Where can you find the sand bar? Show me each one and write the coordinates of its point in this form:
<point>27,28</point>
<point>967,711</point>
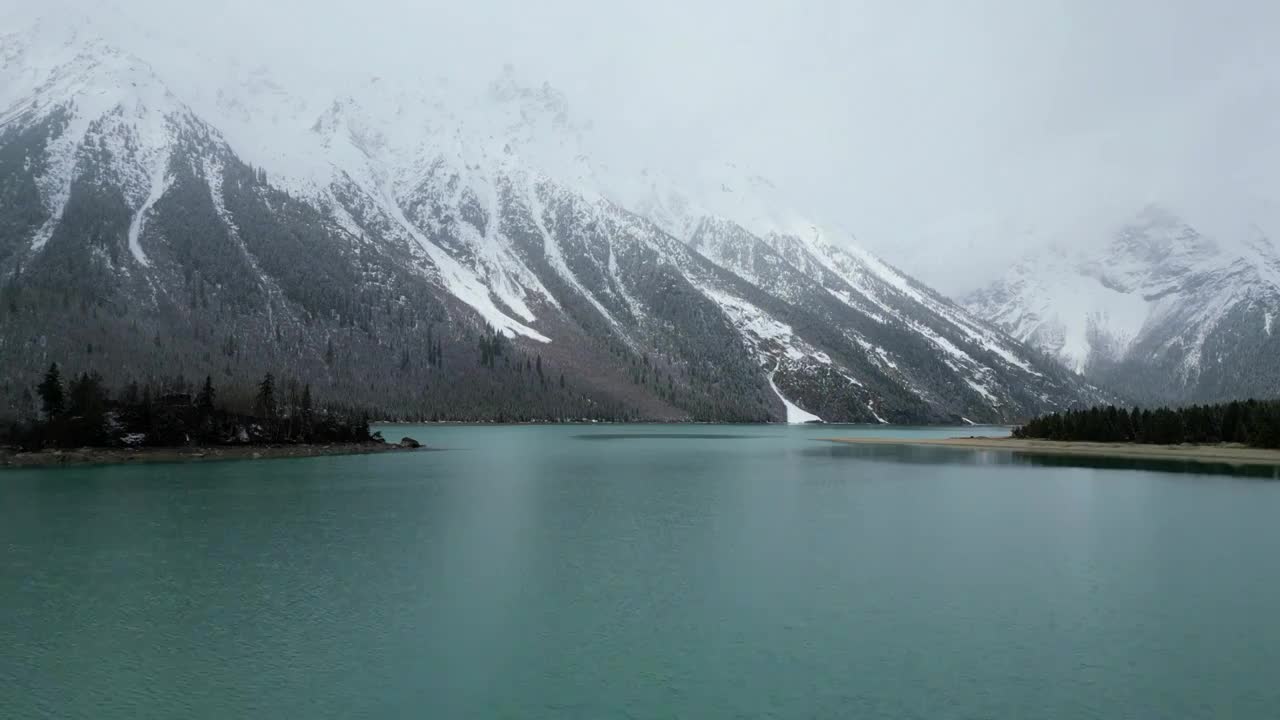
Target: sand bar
<point>1226,453</point>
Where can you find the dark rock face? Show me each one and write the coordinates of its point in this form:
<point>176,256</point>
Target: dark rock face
<point>409,443</point>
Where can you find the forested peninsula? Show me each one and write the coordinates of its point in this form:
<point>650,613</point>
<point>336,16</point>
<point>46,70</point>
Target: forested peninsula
<point>1255,423</point>
<point>80,420</point>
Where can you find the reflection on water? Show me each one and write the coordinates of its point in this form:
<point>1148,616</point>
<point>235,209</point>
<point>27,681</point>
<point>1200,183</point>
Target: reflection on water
<point>530,575</point>
<point>666,436</point>
<point>927,455</point>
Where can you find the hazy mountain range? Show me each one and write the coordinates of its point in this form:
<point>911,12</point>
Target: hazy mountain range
<point>428,252</point>
<point>1160,313</point>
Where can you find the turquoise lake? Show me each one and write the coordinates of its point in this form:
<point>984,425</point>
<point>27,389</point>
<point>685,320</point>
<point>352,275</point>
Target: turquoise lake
<point>630,571</point>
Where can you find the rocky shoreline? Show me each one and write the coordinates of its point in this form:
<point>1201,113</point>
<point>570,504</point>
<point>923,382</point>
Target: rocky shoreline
<point>119,456</point>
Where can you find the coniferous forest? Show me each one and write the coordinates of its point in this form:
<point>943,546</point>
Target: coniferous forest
<point>1249,422</point>
<point>82,412</point>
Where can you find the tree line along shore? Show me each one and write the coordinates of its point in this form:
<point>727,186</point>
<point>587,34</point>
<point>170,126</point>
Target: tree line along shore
<point>80,420</point>
<point>83,413</point>
<point>1237,433</point>
<point>1253,423</point>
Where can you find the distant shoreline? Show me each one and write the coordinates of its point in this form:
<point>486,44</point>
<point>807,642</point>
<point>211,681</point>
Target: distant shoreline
<point>133,456</point>
<point>1226,453</point>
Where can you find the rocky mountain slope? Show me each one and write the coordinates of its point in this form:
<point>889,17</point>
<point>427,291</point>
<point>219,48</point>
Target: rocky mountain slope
<point>1162,313</point>
<point>434,254</point>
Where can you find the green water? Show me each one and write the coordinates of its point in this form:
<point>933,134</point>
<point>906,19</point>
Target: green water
<point>640,572</point>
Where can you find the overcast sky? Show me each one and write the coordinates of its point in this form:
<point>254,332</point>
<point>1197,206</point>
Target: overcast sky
<point>945,133</point>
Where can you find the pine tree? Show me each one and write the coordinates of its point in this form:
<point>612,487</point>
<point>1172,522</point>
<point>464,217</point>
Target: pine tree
<point>87,407</point>
<point>204,400</point>
<point>50,391</point>
<point>26,405</point>
<point>266,400</point>
<point>85,393</point>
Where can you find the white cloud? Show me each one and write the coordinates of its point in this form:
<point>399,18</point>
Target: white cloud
<point>946,133</point>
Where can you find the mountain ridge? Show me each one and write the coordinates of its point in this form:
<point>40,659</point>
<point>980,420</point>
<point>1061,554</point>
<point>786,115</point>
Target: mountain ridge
<point>1163,310</point>
<point>379,231</point>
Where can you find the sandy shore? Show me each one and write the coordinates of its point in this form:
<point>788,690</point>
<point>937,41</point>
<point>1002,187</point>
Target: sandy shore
<point>1229,454</point>
<point>112,456</point>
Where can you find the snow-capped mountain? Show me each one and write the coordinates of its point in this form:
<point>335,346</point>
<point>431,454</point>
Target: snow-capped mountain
<point>366,242</point>
<point>1162,312</point>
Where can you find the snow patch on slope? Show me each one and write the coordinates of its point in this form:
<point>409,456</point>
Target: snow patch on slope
<point>160,182</point>
<point>757,325</point>
<point>982,390</point>
<point>461,282</point>
<point>637,311</point>
<point>555,256</point>
<point>882,272</point>
<point>796,415</point>
<point>871,408</point>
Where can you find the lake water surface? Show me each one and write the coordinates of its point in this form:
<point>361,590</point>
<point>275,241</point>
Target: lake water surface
<point>641,572</point>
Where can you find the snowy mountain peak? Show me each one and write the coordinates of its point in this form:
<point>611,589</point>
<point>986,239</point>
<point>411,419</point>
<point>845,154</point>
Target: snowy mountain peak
<point>384,212</point>
<point>100,106</point>
<point>88,70</point>
<point>536,105</point>
<point>1159,294</point>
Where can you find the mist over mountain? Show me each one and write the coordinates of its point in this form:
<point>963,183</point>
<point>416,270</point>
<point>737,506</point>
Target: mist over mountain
<point>949,138</point>
<point>437,252</point>
<point>1161,312</point>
